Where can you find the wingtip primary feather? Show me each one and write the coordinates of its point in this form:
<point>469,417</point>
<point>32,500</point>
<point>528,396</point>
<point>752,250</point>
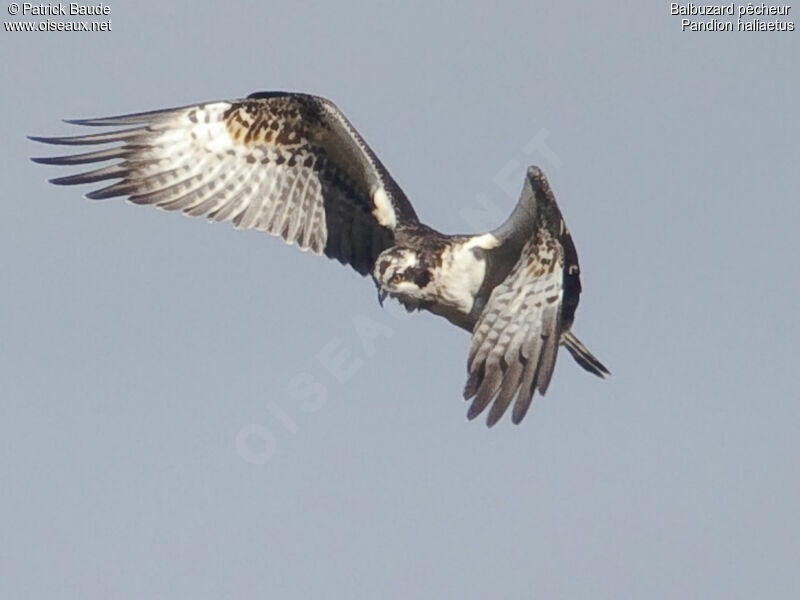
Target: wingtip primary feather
<point>516,419</point>
<point>133,119</point>
<point>40,139</point>
<point>122,135</point>
<point>496,413</point>
<point>104,121</point>
<point>110,172</point>
<point>86,158</point>
<point>78,121</point>
<point>138,118</point>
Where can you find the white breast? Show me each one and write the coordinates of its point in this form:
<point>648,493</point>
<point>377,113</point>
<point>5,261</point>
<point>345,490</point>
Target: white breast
<point>461,274</point>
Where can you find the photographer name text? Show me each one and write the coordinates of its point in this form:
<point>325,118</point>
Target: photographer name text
<point>73,9</point>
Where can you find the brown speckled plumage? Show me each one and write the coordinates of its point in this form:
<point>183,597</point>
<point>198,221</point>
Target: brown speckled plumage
<point>293,165</point>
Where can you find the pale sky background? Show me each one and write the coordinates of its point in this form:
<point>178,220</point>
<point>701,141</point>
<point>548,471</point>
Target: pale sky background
<point>154,444</point>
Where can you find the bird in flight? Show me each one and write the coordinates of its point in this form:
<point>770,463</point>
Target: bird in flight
<point>293,165</point>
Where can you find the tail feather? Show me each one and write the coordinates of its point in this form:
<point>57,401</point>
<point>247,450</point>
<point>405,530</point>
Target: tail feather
<point>582,355</point>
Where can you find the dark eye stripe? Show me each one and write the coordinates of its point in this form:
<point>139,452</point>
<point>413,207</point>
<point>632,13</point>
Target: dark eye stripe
<point>422,278</point>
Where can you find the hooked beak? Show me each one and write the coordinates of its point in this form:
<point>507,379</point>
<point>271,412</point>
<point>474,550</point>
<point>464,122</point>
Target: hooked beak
<point>381,292</point>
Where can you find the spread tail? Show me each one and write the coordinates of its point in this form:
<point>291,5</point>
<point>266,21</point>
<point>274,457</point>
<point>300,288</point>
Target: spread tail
<point>582,355</point>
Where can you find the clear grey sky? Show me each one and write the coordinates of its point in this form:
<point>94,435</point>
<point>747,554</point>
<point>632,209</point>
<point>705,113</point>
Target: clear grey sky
<point>155,443</point>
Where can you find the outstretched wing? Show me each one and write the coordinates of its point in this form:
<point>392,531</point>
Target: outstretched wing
<point>515,341</point>
<point>516,338</point>
<point>288,164</point>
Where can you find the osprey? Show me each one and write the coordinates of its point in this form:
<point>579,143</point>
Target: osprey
<point>293,165</point>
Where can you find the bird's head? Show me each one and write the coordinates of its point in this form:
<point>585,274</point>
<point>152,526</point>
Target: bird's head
<point>399,272</point>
